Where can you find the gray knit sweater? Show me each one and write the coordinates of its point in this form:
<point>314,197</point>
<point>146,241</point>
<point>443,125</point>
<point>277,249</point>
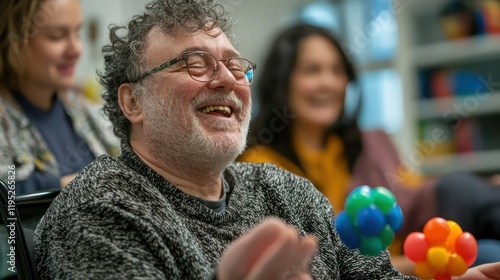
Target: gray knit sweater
<point>121,220</point>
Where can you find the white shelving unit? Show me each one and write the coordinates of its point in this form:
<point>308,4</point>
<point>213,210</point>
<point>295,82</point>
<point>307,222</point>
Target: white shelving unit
<point>482,161</point>
<point>483,104</point>
<point>416,56</point>
<point>463,50</point>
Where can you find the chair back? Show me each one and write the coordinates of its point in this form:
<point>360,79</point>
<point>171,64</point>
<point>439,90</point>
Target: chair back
<point>20,216</point>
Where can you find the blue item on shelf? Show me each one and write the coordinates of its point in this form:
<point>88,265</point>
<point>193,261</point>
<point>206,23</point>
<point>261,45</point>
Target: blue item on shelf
<point>481,28</point>
<point>425,84</point>
<point>466,83</point>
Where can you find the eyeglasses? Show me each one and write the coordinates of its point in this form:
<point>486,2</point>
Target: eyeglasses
<point>203,67</point>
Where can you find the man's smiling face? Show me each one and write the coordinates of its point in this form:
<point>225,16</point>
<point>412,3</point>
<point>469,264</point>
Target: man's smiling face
<point>190,121</point>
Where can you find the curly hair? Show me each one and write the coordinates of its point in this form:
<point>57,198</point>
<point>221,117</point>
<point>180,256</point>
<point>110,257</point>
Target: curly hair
<point>123,57</point>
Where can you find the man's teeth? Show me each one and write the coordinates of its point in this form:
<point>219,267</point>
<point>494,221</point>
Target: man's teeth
<point>222,109</point>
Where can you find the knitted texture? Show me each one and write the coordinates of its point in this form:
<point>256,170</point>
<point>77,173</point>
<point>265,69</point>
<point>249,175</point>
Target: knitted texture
<point>119,219</point>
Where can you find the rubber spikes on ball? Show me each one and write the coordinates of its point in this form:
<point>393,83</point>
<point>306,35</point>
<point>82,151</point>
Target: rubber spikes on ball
<point>441,251</point>
<point>370,220</point>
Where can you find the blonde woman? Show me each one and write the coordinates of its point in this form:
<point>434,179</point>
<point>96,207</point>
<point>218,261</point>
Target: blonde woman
<point>46,130</point>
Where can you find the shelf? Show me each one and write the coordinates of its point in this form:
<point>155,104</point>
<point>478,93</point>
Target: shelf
<point>424,48</point>
<point>481,161</point>
<point>473,105</point>
<point>464,50</point>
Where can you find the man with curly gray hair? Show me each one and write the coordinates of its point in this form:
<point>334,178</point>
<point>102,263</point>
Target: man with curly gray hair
<point>174,205</point>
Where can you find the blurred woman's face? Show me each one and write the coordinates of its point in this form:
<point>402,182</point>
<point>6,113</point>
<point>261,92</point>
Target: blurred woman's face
<point>54,47</point>
<point>318,83</point>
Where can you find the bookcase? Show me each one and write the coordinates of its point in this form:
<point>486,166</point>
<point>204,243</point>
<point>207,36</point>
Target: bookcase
<point>452,89</point>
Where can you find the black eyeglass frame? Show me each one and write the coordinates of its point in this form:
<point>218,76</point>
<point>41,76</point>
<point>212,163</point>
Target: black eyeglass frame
<point>185,57</point>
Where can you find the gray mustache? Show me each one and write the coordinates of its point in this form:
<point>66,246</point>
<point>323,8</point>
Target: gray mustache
<point>219,97</point>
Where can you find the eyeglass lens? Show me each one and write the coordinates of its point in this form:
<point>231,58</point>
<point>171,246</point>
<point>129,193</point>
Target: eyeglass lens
<point>204,67</point>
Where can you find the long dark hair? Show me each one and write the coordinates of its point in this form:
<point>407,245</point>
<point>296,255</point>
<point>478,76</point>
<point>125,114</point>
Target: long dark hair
<point>273,90</point>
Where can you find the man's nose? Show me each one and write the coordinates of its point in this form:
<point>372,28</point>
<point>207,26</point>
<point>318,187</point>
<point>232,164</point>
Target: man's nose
<point>224,79</point>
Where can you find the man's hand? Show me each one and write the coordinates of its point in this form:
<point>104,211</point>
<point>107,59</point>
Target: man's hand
<point>271,251</point>
<point>489,271</point>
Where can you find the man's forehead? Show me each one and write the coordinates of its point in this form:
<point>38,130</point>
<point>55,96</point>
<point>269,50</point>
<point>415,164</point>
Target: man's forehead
<point>163,45</point>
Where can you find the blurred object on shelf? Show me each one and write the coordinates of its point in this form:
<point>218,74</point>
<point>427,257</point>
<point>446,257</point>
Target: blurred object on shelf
<point>446,83</point>
<point>446,136</point>
<point>440,84</point>
<point>442,145</point>
<point>424,77</point>
<point>489,16</point>
<point>457,20</point>
<point>489,131</point>
<point>466,83</point>
<point>468,136</point>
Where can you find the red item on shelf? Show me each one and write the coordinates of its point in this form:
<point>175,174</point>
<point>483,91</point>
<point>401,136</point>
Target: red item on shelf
<point>440,84</point>
<point>464,135</point>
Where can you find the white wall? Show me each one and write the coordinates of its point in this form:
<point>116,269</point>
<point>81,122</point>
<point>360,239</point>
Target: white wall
<point>106,12</point>
<point>256,22</point>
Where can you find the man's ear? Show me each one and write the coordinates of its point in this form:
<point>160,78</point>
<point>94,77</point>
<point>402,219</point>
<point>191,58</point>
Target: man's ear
<point>130,106</point>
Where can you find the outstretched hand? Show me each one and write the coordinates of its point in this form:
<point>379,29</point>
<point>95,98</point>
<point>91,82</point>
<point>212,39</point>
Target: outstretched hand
<point>271,251</point>
<point>489,271</point>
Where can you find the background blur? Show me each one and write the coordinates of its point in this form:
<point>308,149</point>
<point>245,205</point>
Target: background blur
<point>429,69</point>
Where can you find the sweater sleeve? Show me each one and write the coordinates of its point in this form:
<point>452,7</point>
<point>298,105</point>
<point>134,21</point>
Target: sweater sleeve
<point>118,245</point>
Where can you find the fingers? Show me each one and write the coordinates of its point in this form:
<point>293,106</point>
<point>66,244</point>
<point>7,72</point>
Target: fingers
<point>298,271</point>
<point>286,257</point>
<point>242,255</point>
<point>260,239</point>
<point>308,247</point>
<point>303,276</point>
<point>490,270</point>
<point>270,251</point>
<point>278,257</point>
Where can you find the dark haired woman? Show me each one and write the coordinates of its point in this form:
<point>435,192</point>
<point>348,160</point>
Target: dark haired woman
<point>302,126</point>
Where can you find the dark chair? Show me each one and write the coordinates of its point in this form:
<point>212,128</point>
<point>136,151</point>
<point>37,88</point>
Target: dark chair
<point>20,215</point>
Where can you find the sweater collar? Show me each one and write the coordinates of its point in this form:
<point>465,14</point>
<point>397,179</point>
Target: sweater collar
<point>182,201</point>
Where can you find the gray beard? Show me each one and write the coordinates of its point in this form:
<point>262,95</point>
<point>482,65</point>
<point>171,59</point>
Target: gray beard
<point>181,143</point>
